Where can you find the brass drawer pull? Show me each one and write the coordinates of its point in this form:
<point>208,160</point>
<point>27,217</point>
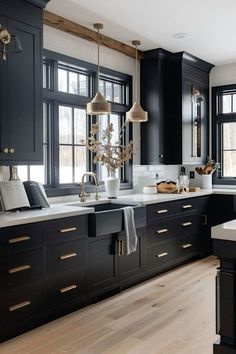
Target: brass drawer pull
<point>162,211</point>
<point>187,206</point>
<point>185,224</point>
<point>19,306</point>
<point>187,245</point>
<point>68,229</point>
<point>19,239</point>
<point>19,269</point>
<point>161,231</point>
<point>164,254</point>
<point>69,255</point>
<point>68,288</point>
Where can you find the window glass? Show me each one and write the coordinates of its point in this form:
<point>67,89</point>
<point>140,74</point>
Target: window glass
<point>83,85</point>
<point>73,82</point>
<point>80,125</point>
<point>62,80</point>
<point>109,91</point>
<point>229,164</point>
<point>65,164</point>
<point>65,125</point>
<point>80,162</point>
<point>118,93</point>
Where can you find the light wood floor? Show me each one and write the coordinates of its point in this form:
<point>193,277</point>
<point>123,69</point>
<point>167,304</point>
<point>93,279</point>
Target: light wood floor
<point>170,314</point>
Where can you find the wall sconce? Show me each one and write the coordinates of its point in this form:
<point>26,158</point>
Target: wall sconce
<point>10,43</point>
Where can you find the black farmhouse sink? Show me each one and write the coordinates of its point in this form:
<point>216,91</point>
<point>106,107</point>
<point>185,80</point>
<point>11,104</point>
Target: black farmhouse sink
<point>108,218</point>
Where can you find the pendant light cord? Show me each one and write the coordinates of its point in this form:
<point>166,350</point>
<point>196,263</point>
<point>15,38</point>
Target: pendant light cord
<point>136,72</point>
<point>98,74</point>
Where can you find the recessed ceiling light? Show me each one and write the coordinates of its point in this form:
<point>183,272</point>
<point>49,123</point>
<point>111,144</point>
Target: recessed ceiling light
<point>179,35</point>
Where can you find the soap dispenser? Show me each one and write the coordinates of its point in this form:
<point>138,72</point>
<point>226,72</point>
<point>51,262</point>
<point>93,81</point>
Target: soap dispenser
<point>183,178</point>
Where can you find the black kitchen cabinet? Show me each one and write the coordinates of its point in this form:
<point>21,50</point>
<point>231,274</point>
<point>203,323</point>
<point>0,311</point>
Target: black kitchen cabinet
<point>21,110</point>
<point>109,267</point>
<point>154,97</point>
<point>225,296</point>
<point>177,130</point>
<point>174,232</point>
<point>43,268</point>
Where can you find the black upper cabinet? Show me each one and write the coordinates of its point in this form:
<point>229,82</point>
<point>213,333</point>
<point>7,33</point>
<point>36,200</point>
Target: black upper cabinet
<point>21,111</point>
<point>177,129</point>
<point>154,98</point>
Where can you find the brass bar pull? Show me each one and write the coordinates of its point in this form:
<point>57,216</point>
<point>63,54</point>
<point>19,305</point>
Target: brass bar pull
<point>68,288</point>
<point>19,306</point>
<point>19,239</point>
<point>187,206</point>
<point>161,231</point>
<point>187,245</point>
<point>160,255</point>
<point>19,269</point>
<point>122,247</point>
<point>66,256</point>
<point>68,229</point>
<point>185,224</point>
<point>118,248</point>
<point>204,219</point>
<point>162,211</point>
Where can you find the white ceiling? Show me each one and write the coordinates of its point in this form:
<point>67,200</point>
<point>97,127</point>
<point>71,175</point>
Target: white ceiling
<point>210,24</point>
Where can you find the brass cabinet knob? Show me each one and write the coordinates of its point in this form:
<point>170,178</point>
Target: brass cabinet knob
<point>12,150</point>
<point>5,150</point>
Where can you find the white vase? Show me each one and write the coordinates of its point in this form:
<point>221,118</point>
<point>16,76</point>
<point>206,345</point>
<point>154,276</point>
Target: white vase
<point>112,185</point>
<point>206,181</point>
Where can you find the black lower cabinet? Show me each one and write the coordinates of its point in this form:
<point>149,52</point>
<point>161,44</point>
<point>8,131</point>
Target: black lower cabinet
<point>225,297</point>
<point>110,269</point>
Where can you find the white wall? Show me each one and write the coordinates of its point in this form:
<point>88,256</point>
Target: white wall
<point>65,43</point>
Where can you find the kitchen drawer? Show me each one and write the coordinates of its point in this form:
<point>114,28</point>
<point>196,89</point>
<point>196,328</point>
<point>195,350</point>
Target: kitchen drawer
<point>20,304</point>
<point>161,254</point>
<point>187,224</point>
<point>66,286</point>
<point>20,238</point>
<point>66,229</point>
<point>160,210</point>
<point>161,231</point>
<point>187,246</point>
<point>21,268</point>
<point>191,204</point>
<point>66,256</point>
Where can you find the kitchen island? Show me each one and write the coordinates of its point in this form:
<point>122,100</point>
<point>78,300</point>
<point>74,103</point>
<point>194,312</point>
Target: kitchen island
<point>224,247</point>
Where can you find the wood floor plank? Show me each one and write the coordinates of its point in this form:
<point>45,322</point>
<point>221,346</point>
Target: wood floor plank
<point>173,313</point>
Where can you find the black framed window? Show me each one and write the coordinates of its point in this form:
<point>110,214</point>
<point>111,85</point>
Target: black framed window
<point>68,85</point>
<point>224,133</point>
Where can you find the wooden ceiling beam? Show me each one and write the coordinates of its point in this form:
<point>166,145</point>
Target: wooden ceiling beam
<point>62,24</point>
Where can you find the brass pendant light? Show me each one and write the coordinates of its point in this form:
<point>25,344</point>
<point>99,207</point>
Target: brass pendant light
<point>98,105</point>
<point>136,113</point>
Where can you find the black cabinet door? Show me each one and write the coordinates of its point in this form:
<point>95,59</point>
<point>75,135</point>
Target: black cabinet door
<point>132,264</point>
<point>153,95</point>
<point>21,134</point>
<point>194,121</point>
<point>103,266</point>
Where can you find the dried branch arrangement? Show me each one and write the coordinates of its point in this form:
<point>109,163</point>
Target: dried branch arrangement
<point>112,155</point>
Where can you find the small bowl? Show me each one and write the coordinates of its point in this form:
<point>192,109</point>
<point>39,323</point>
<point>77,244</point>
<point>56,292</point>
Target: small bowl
<point>149,189</point>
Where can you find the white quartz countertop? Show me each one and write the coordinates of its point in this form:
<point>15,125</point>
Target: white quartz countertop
<point>75,207</point>
<point>56,211</point>
<point>225,231</point>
